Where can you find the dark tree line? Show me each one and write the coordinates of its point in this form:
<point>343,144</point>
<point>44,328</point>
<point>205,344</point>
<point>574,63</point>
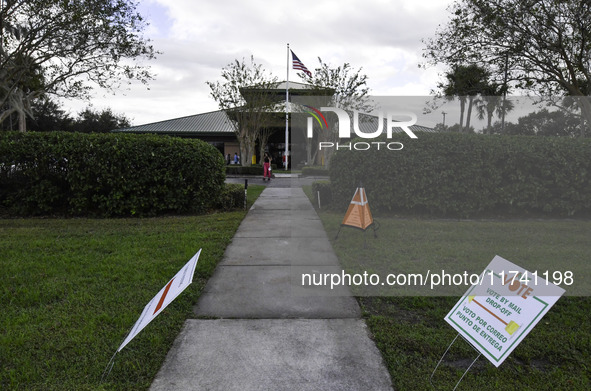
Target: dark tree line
<point>48,116</point>
<point>538,47</point>
<point>54,48</point>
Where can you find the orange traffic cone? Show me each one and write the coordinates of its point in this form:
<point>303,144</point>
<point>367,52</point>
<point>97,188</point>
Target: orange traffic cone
<point>358,215</point>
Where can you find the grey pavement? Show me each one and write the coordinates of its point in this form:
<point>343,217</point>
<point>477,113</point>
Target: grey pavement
<point>258,328</point>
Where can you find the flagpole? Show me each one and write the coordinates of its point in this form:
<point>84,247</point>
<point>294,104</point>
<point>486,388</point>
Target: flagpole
<point>287,113</point>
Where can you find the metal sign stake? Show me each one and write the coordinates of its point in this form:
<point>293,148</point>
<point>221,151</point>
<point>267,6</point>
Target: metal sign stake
<point>441,359</point>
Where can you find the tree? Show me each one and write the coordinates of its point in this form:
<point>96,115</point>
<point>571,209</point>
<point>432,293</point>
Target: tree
<point>48,116</point>
<point>245,95</point>
<point>263,138</point>
<point>349,86</point>
<point>492,102</point>
<point>349,92</point>
<point>61,48</point>
<point>465,82</point>
<point>544,45</point>
<point>94,121</point>
<point>546,123</point>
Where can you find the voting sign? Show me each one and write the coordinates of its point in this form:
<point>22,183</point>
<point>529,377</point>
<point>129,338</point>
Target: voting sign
<point>496,314</point>
<point>166,295</point>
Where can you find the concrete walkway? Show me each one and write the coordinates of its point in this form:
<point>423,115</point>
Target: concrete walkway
<point>258,329</point>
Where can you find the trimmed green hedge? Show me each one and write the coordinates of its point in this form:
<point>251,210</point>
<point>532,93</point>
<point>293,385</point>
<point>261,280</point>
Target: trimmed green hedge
<point>232,197</point>
<point>314,171</point>
<point>450,174</point>
<point>255,169</point>
<point>78,174</point>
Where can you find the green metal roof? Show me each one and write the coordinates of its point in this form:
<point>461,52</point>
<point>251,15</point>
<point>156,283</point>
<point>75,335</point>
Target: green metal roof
<point>217,122</point>
<point>212,122</point>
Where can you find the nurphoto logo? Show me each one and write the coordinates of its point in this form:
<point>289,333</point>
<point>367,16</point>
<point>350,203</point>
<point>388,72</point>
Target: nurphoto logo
<point>344,128</point>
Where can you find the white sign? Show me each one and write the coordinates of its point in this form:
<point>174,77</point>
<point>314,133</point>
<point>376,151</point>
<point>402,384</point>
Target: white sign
<point>166,295</point>
<point>496,314</point>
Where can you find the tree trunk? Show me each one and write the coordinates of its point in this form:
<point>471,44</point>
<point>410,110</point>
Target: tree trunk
<point>585,105</point>
<point>247,144</point>
<point>4,115</point>
<point>245,156</point>
<point>247,147</point>
<point>469,113</point>
<point>263,141</point>
<point>489,116</point>
<point>462,109</point>
<point>22,121</point>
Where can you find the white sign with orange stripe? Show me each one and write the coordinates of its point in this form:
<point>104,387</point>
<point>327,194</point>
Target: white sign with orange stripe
<point>166,295</point>
<point>496,314</point>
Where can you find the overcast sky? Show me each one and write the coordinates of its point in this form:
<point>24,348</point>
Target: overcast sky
<point>198,38</point>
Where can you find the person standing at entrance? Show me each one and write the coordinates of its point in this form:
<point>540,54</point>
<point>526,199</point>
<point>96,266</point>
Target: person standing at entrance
<point>267,167</point>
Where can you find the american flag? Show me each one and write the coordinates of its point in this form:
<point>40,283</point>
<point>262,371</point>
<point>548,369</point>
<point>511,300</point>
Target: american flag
<point>297,64</point>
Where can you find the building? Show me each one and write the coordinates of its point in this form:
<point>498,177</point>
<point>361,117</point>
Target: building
<point>216,127</point>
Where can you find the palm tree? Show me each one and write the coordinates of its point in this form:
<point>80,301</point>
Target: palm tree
<point>464,82</point>
<point>490,102</point>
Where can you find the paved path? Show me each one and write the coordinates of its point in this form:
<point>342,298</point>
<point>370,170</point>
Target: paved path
<point>257,329</point>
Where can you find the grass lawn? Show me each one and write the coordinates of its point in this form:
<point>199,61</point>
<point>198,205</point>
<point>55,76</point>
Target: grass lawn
<point>409,328</point>
<point>412,335</point>
<point>71,289</point>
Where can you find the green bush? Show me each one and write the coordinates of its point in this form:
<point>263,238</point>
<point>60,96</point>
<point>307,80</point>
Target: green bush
<point>314,171</point>
<point>322,188</point>
<point>450,174</point>
<point>104,175</point>
<point>255,169</point>
<point>232,197</point>
<point>239,170</point>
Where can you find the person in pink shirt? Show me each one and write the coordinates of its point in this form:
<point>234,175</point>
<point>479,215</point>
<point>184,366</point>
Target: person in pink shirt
<point>267,167</point>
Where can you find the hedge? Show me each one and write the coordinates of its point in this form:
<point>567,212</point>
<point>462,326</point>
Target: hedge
<point>232,197</point>
<point>314,171</point>
<point>78,174</point>
<point>451,174</point>
<point>255,169</point>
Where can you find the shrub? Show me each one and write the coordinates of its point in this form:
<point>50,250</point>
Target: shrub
<point>239,170</point>
<point>469,175</point>
<point>232,197</point>
<point>255,169</point>
<point>107,174</point>
<point>322,188</point>
<point>314,171</point>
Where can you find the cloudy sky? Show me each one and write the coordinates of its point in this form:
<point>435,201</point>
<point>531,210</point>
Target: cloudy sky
<point>197,38</point>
